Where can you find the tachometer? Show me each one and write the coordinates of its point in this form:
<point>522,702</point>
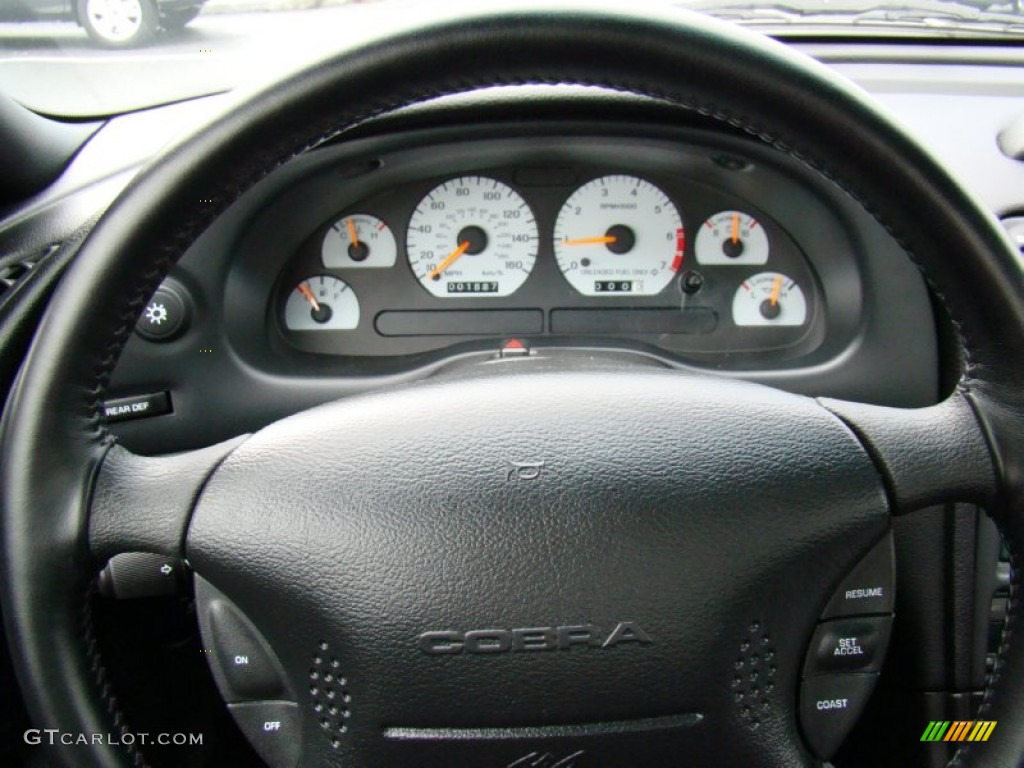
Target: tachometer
<point>472,236</point>
<point>619,234</point>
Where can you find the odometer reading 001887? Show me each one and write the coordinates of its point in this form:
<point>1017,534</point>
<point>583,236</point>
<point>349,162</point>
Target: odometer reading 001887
<point>471,237</point>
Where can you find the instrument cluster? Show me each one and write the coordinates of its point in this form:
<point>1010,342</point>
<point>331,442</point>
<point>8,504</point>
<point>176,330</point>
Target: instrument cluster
<point>578,253</point>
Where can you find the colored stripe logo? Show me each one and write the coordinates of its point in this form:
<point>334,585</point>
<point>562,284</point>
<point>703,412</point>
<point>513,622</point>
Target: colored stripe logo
<point>958,730</point>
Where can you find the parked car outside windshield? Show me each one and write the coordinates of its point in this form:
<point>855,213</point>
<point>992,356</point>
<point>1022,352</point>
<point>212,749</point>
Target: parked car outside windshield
<point>109,23</point>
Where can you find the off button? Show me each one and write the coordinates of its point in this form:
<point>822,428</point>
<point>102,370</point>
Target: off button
<point>273,729</point>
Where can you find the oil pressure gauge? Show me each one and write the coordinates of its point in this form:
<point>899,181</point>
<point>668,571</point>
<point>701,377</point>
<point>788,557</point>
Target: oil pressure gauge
<point>769,298</point>
<point>321,303</point>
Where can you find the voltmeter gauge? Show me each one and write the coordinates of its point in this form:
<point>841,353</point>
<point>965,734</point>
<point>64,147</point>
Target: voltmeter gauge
<point>359,240</point>
<point>769,298</point>
<point>731,237</point>
<point>321,303</point>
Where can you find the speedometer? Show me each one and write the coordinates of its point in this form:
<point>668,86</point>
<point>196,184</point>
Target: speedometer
<point>470,237</point>
<point>619,234</point>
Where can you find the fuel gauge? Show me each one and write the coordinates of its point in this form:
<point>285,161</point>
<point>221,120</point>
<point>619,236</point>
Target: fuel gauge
<point>321,303</point>
<point>769,298</point>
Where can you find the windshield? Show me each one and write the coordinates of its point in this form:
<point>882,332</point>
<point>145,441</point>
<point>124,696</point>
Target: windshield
<point>103,57</point>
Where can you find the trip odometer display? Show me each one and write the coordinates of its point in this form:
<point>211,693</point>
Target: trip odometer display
<point>619,235</point>
<point>472,237</point>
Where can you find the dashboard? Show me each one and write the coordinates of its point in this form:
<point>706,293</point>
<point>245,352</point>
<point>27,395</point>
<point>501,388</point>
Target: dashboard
<point>412,250</point>
<point>224,358</point>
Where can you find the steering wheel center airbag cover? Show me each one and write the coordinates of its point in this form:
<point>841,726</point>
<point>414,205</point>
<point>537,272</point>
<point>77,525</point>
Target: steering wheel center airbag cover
<point>495,555</point>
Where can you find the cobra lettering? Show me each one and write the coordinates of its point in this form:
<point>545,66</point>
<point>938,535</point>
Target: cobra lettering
<point>561,638</point>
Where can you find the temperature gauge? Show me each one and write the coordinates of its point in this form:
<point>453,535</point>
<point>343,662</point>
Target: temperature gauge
<point>359,241</point>
<point>769,298</point>
<point>321,303</point>
<point>732,237</point>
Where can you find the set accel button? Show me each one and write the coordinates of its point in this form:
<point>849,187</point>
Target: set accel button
<point>848,645</point>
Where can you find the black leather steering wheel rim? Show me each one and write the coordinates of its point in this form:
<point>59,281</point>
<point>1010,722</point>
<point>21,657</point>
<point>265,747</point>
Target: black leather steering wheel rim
<point>55,442</point>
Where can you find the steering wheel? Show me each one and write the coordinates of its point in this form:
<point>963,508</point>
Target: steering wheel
<point>598,613</point>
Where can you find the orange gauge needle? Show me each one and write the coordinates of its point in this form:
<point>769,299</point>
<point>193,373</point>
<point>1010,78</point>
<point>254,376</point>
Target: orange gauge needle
<point>352,232</point>
<point>452,257</point>
<point>303,288</point>
<point>603,240</point>
<point>736,229</point>
<point>776,287</point>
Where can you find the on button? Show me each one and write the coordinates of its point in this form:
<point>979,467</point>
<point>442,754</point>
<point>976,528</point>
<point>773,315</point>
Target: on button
<point>250,670</point>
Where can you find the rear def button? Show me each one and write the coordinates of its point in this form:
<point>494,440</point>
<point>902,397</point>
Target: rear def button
<point>137,407</point>
<point>829,707</point>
